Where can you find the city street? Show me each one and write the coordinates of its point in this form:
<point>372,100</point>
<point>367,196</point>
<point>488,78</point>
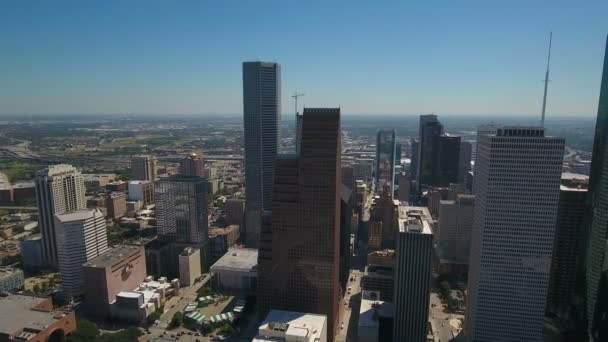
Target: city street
<point>447,325</point>
<point>349,309</point>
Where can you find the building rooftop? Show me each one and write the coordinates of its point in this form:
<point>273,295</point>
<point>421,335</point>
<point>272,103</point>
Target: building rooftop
<point>16,313</point>
<point>112,256</point>
<point>244,259</point>
<point>372,308</point>
<point>291,326</point>
<point>415,220</point>
<point>78,215</point>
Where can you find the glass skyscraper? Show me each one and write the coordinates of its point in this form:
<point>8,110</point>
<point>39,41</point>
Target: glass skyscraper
<point>385,159</point>
<point>596,276</point>
<point>261,115</point>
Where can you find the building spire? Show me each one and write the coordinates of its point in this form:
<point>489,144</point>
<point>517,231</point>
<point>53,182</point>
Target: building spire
<point>542,118</point>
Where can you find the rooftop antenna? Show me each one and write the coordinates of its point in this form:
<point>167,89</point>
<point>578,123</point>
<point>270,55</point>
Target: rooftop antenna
<point>542,118</point>
<point>295,96</point>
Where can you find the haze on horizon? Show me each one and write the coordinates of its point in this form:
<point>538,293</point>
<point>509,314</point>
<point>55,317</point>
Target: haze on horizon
<point>153,57</point>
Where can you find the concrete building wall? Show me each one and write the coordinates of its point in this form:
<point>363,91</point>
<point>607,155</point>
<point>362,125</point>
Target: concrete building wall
<point>517,182</point>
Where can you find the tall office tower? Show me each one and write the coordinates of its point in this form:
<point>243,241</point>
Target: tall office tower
<point>413,273</point>
<point>455,226</point>
<point>446,165</point>
<point>597,239</point>
<point>385,159</point>
<point>568,247</point>
<point>181,209</point>
<point>517,181</point>
<point>262,116</point>
<point>348,177</point>
<point>428,135</point>
<point>143,168</point>
<point>414,159</point>
<point>192,165</point>
<point>59,189</point>
<point>464,160</point>
<point>299,257</point>
<point>81,236</point>
<point>347,205</point>
<point>385,211</point>
<point>398,154</point>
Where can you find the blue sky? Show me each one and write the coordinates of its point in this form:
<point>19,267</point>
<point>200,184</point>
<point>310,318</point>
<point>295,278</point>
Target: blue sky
<point>385,57</point>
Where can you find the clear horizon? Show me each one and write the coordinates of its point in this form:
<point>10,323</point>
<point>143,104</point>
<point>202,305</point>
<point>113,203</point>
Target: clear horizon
<point>153,58</point>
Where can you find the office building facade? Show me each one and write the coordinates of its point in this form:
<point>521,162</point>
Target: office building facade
<point>299,247</point>
<point>261,116</point>
<point>464,160</point>
<point>192,165</point>
<point>413,272</point>
<point>430,130</point>
<point>385,159</point>
<point>181,209</point>
<point>143,168</point>
<point>455,227</point>
<point>81,236</point>
<point>517,180</point>
<point>59,189</point>
<point>596,275</point>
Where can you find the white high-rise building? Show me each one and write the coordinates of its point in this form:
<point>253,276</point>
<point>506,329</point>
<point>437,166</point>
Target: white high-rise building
<point>413,272</point>
<point>81,236</point>
<point>59,189</point>
<point>517,178</point>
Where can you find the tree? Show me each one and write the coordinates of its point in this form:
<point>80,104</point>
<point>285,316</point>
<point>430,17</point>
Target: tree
<point>226,328</point>
<point>87,331</point>
<point>36,288</point>
<point>153,317</point>
<point>177,319</point>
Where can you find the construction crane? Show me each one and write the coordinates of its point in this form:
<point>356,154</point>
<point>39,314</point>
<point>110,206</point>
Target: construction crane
<point>295,96</point>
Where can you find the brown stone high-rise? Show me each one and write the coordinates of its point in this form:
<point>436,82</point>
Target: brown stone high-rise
<point>298,265</point>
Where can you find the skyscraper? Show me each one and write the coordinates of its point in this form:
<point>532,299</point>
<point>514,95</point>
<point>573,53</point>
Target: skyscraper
<point>191,165</point>
<point>517,179</point>
<point>413,273</point>
<point>181,209</point>
<point>143,168</point>
<point>446,163</point>
<point>428,134</point>
<point>568,250</point>
<point>299,256</point>
<point>464,160</point>
<point>59,189</point>
<point>596,276</point>
<point>385,159</point>
<point>81,236</point>
<point>261,116</point>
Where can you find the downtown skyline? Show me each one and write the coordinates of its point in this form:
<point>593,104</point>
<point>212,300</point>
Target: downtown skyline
<point>395,58</point>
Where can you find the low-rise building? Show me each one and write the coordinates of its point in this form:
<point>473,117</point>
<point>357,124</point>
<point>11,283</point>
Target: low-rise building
<point>116,204</point>
<point>121,268</point>
<point>290,326</point>
<point>98,180</point>
<point>27,318</point>
<point>141,190</point>
<point>11,279</point>
<point>189,266</point>
<point>236,271</point>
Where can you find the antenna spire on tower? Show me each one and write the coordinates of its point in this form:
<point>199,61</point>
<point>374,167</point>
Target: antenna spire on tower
<point>542,118</point>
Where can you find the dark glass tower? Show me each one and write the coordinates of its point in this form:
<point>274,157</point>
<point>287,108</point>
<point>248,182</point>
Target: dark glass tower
<point>596,277</point>
<point>262,115</point>
<point>385,158</point>
<point>428,137</point>
<point>299,254</point>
